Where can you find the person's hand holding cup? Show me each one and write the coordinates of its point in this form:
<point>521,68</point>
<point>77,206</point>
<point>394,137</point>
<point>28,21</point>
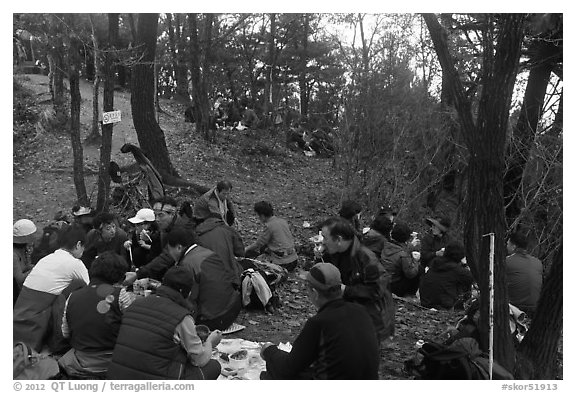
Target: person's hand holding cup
<point>214,338</point>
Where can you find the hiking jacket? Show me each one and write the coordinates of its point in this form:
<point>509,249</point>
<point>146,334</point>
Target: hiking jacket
<point>277,241</point>
<point>366,284</point>
<point>208,205</point>
<point>156,268</point>
<point>524,277</point>
<point>374,241</point>
<point>444,283</point>
<point>225,241</point>
<point>339,342</point>
<point>215,290</point>
<point>429,245</point>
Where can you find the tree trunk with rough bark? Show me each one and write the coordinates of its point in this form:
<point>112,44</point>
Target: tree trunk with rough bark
<point>59,99</point>
<point>95,137</point>
<point>108,106</point>
<point>150,135</point>
<point>484,207</point>
<point>538,353</point>
<point>302,82</point>
<point>75,101</point>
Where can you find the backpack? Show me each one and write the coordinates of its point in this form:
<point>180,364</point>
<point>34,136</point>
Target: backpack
<point>255,270</point>
<point>462,360</point>
<point>28,364</point>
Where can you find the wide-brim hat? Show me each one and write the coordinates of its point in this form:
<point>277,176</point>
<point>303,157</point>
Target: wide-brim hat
<point>143,215</point>
<point>23,231</point>
<point>443,224</point>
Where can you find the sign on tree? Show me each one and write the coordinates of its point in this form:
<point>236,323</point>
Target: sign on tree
<point>111,117</point>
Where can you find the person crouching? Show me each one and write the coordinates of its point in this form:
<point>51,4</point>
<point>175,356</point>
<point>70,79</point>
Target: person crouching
<point>158,339</point>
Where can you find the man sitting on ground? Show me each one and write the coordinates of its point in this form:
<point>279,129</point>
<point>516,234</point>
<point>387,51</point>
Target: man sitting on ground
<point>400,266</point>
<point>276,241</point>
<point>216,203</point>
<point>158,339</point>
<point>106,236</point>
<point>168,219</point>
<point>363,275</point>
<point>92,318</point>
<point>215,297</point>
<point>523,273</point>
<point>378,235</point>
<point>225,241</point>
<point>447,281</point>
<point>434,243</point>
<point>339,342</point>
<point>178,241</point>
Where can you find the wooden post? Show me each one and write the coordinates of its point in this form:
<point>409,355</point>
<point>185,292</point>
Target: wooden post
<point>491,312</point>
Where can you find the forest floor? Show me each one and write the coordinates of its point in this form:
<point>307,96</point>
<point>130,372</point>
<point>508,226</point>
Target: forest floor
<point>259,166</point>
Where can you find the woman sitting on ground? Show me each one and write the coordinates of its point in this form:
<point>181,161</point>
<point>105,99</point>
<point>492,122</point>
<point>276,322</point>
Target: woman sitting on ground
<point>92,318</point>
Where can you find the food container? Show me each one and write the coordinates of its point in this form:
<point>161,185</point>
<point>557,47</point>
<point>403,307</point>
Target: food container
<point>147,292</point>
<point>239,360</point>
<point>203,332</point>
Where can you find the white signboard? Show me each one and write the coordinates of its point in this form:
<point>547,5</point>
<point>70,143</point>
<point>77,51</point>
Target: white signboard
<point>111,117</point>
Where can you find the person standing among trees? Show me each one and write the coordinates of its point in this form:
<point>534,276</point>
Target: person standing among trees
<point>276,241</point>
<point>364,278</point>
<point>433,243</point>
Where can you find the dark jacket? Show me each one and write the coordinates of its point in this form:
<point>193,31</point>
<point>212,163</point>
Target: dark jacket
<point>94,317</point>
<point>402,269</point>
<point>214,291</point>
<point>524,277</point>
<point>95,246</point>
<point>367,284</point>
<point>225,241</point>
<point>429,245</point>
<point>140,255</point>
<point>374,241</point>
<point>156,268</point>
<point>444,283</point>
<point>145,348</point>
<point>180,222</point>
<point>339,342</point>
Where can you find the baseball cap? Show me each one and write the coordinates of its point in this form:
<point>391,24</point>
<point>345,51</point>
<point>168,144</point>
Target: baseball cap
<point>324,276</point>
<point>143,215</point>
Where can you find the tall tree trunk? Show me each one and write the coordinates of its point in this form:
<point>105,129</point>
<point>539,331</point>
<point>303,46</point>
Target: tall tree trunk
<point>303,69</point>
<point>95,136</point>
<point>175,43</point>
<point>538,353</point>
<point>150,135</point>
<point>484,208</point>
<point>59,100</point>
<point>268,88</point>
<point>525,130</point>
<point>75,100</point>
<point>108,106</point>
<point>199,94</point>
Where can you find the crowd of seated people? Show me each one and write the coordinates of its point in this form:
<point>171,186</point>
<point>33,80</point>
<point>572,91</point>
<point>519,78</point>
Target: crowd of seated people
<point>79,300</point>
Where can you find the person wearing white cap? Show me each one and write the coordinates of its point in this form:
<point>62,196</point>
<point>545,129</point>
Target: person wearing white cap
<point>142,246</point>
<point>23,232</point>
<point>339,342</point>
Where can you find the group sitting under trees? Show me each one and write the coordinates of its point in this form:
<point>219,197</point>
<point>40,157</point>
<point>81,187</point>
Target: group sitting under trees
<point>81,299</point>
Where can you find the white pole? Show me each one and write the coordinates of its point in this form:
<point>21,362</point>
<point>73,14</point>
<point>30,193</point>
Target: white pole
<point>491,314</point>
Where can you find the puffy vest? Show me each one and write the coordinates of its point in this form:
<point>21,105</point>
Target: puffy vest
<point>94,317</point>
<point>145,348</point>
